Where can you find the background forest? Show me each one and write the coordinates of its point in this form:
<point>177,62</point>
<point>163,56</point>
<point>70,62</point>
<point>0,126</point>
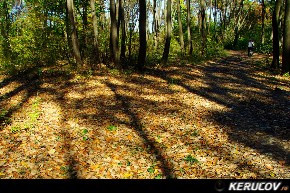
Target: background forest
<point>126,33</point>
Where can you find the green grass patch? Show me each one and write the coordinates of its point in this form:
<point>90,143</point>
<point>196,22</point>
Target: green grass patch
<point>190,159</point>
<point>112,128</point>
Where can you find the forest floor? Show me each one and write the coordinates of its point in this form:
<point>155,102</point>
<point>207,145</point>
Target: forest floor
<point>223,118</point>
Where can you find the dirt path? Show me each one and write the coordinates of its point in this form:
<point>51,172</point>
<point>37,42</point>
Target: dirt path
<point>221,119</point>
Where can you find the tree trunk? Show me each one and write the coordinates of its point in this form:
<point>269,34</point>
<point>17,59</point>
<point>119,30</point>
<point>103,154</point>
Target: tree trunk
<point>123,29</point>
<point>74,38</point>
<point>142,35</point>
<point>275,21</point>
<point>5,28</point>
<point>203,26</point>
<point>168,34</point>
<point>84,39</point>
<point>154,29</point>
<point>286,40</point>
<point>188,28</point>
<point>95,28</point>
<point>157,23</point>
<point>180,27</point>
<point>215,20</point>
<point>263,22</point>
<point>114,33</point>
<point>209,17</point>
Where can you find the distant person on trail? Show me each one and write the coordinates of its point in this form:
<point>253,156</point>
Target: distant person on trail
<point>250,47</point>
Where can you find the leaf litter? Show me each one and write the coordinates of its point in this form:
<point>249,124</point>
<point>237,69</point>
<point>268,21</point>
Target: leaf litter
<point>212,120</point>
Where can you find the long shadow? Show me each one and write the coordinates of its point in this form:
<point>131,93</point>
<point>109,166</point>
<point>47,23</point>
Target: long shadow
<point>70,170</point>
<point>30,86</point>
<point>137,126</point>
<point>246,116</point>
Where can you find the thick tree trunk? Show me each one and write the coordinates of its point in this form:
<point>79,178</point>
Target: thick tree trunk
<point>142,35</point>
<point>95,28</point>
<point>114,34</point>
<point>286,40</point>
<point>180,26</point>
<point>74,38</point>
<point>190,49</point>
<point>168,34</point>
<point>275,21</point>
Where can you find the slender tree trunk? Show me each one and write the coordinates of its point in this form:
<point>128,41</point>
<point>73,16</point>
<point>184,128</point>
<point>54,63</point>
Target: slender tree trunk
<point>209,17</point>
<point>215,20</point>
<point>180,26</point>
<point>74,38</point>
<point>114,34</point>
<point>286,40</point>
<point>168,34</point>
<point>155,24</point>
<point>123,29</point>
<point>275,21</point>
<point>5,28</point>
<point>96,33</point>
<point>237,24</point>
<point>142,35</point>
<point>190,49</point>
<point>263,22</point>
<point>83,43</point>
<point>203,25</point>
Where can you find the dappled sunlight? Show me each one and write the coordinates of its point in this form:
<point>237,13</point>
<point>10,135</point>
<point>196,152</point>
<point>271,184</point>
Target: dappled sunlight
<point>180,122</point>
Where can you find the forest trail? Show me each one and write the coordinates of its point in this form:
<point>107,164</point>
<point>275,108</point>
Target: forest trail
<point>224,118</point>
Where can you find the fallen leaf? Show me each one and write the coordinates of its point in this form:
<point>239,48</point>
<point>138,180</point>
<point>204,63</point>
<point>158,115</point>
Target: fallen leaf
<point>52,151</point>
<point>127,175</point>
<point>269,166</point>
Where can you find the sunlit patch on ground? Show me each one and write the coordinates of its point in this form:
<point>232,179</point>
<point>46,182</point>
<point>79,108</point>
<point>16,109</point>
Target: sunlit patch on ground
<point>217,120</point>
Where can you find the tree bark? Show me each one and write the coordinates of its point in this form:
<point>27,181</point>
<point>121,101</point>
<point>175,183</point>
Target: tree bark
<point>263,22</point>
<point>180,27</point>
<point>286,39</point>
<point>142,35</point>
<point>275,28</point>
<point>209,17</point>
<point>96,33</point>
<point>74,38</point>
<point>123,29</point>
<point>5,28</point>
<point>114,33</point>
<point>168,34</point>
<point>190,49</point>
<point>203,26</point>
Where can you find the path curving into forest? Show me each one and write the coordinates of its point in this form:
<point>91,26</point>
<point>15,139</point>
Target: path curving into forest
<point>223,118</point>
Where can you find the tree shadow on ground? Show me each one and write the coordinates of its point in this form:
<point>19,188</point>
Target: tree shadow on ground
<point>252,116</point>
<point>258,116</point>
<point>137,126</point>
